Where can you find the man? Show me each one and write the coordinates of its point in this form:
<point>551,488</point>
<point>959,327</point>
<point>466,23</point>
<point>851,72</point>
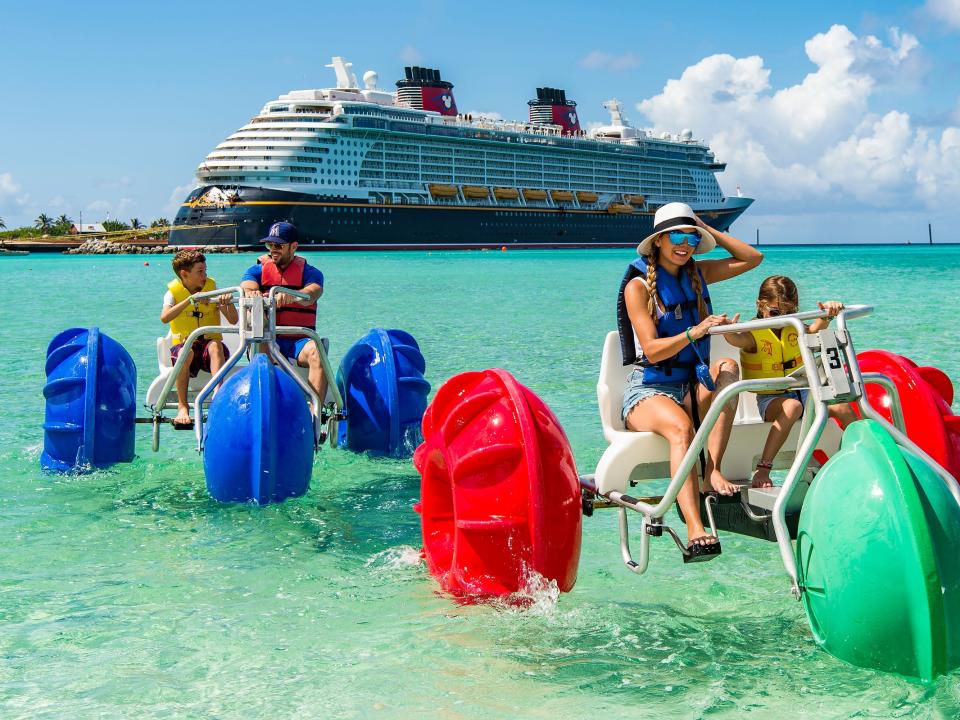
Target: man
<point>282,267</point>
<point>184,316</point>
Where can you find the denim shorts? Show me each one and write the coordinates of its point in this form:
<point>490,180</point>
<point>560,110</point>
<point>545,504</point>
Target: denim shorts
<point>637,391</point>
<point>764,400</point>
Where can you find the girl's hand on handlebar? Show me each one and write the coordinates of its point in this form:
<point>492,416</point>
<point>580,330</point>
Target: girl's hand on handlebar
<point>700,330</point>
<point>831,307</point>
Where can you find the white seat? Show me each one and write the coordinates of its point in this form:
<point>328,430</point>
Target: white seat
<point>639,456</point>
<point>165,367</point>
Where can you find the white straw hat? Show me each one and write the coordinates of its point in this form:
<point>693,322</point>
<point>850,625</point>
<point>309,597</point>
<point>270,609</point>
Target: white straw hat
<point>676,216</point>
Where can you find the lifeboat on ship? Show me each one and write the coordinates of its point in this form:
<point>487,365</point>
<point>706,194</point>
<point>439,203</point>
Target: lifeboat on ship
<point>443,191</point>
<point>561,195</point>
<point>586,197</point>
<point>634,199</point>
<point>534,194</point>
<point>501,193</point>
<point>620,209</point>
<point>476,192</point>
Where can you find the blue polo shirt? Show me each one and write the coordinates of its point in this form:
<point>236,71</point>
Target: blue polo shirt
<point>311,275</point>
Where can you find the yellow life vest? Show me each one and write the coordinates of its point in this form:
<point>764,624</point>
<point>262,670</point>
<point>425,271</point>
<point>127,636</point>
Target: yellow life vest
<point>776,356</point>
<point>188,320</point>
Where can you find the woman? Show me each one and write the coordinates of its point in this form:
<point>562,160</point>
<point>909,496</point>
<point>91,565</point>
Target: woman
<point>664,314</point>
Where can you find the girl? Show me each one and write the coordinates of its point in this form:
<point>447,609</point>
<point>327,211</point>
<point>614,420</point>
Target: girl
<point>664,314</point>
<point>776,353</point>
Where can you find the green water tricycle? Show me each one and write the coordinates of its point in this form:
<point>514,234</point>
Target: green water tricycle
<point>869,538</point>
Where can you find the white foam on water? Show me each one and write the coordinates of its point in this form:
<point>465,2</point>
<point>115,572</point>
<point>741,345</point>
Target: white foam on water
<point>395,558</point>
<point>538,596</point>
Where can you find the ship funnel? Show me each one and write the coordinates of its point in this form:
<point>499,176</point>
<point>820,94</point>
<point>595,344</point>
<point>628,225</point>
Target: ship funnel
<point>552,108</point>
<point>423,89</point>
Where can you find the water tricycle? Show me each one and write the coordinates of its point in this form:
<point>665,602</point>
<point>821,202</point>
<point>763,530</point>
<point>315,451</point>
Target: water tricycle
<point>868,539</point>
<point>259,431</point>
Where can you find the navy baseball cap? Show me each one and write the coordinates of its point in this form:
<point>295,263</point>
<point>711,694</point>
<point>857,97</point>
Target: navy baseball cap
<point>282,232</point>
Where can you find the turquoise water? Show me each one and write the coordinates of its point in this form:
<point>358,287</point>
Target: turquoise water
<point>129,593</point>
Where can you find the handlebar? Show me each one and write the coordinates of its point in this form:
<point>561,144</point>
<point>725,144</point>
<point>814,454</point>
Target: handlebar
<point>849,312</point>
<point>287,291</point>
<point>198,297</point>
<point>237,290</point>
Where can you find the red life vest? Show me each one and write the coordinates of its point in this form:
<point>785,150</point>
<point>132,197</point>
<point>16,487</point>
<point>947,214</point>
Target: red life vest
<point>290,277</point>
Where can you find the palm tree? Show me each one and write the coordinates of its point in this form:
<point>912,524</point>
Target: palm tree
<point>42,222</point>
<point>3,225</point>
<point>160,222</point>
<point>62,225</point>
<point>135,223</point>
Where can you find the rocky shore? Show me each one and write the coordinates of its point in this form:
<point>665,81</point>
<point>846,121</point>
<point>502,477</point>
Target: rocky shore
<point>106,247</point>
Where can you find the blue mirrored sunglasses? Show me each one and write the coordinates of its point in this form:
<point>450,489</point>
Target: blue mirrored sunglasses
<point>692,238</point>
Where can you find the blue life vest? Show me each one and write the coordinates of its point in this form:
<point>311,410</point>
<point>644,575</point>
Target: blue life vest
<point>679,301</point>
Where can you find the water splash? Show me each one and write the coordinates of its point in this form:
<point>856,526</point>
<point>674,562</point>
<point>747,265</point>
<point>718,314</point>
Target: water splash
<point>395,558</point>
<point>539,595</point>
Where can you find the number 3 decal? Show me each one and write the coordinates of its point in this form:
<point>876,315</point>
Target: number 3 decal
<point>833,358</point>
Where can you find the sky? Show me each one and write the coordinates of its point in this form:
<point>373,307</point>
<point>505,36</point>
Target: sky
<point>842,119</point>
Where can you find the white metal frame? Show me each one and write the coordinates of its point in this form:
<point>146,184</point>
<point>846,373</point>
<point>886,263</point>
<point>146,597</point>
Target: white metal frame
<point>257,324</point>
<point>840,381</point>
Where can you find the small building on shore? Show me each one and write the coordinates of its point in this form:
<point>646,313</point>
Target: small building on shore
<point>87,229</point>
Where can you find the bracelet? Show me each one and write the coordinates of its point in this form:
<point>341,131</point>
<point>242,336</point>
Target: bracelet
<point>689,339</point>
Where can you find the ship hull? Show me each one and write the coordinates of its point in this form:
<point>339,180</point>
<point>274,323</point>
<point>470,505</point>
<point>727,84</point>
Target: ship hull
<point>337,224</point>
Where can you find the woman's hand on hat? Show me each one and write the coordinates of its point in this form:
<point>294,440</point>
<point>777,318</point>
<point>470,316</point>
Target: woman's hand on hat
<point>701,329</point>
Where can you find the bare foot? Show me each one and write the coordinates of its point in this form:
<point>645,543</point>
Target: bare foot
<point>702,539</point>
<point>718,483</point>
<point>761,478</point>
<point>183,416</point>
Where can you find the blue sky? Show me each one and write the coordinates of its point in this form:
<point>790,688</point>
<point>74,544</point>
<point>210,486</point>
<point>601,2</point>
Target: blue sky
<point>831,114</point>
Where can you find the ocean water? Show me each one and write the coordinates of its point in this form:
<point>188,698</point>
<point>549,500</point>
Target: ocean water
<point>130,593</point>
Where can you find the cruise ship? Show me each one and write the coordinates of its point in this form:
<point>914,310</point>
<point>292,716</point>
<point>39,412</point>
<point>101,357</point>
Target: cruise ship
<point>366,168</point>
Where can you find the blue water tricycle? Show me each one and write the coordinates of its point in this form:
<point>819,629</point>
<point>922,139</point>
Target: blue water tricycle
<point>257,433</point>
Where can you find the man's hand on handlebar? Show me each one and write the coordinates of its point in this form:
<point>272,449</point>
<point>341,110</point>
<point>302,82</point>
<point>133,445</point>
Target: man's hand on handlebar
<point>283,299</point>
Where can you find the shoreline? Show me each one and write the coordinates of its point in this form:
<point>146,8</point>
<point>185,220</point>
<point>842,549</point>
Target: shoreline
<point>159,247</point>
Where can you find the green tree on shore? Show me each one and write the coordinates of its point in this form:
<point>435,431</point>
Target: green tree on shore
<point>160,222</point>
<point>62,225</point>
<point>3,225</point>
<point>135,223</point>
<point>43,222</point>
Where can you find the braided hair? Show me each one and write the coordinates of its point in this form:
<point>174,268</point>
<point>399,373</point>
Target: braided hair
<point>652,281</point>
<point>691,268</point>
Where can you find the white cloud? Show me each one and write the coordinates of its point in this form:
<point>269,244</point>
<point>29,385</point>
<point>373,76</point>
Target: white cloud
<point>937,166</point>
<point>484,115</point>
<point>411,56</point>
<point>817,138</point>
<point>10,191</point>
<point>58,204</point>
<point>177,196</point>
<point>599,60</point>
<point>946,10</point>
<point>874,163</point>
<point>117,210</point>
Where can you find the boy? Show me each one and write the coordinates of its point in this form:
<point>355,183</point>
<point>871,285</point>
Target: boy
<point>184,316</point>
